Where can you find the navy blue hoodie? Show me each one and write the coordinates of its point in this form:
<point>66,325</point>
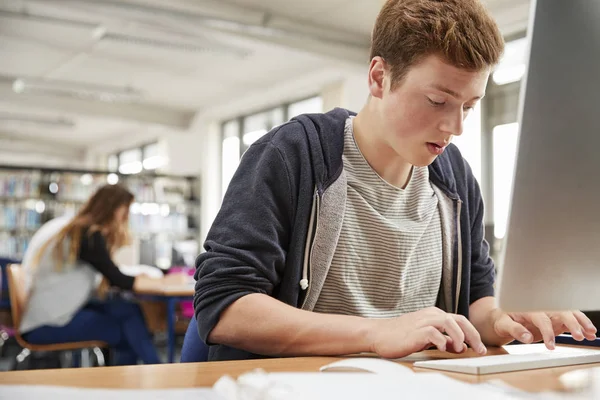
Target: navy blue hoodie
<point>257,241</point>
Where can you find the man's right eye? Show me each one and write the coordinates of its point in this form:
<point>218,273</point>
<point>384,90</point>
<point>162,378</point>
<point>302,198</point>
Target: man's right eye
<point>435,103</point>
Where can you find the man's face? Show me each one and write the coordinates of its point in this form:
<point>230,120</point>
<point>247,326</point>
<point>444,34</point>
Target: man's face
<point>422,114</point>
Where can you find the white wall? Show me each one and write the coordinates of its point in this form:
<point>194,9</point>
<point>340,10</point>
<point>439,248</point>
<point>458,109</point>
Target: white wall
<point>351,92</point>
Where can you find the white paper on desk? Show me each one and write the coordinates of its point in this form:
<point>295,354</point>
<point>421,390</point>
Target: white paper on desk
<point>135,270</point>
<point>361,386</point>
<point>35,392</point>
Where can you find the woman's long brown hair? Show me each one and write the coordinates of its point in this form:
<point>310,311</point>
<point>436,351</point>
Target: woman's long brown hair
<point>98,214</point>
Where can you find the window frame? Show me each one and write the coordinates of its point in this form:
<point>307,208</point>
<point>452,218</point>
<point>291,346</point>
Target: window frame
<point>285,106</point>
<point>143,151</point>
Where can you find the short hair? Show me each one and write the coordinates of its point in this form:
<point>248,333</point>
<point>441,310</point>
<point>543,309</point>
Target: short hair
<point>462,32</point>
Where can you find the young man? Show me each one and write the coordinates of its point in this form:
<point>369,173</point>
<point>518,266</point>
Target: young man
<point>343,234</point>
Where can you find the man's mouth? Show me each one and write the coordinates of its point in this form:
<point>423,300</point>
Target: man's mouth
<point>436,148</point>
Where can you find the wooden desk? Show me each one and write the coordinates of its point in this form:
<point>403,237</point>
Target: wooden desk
<point>174,291</point>
<point>207,373</point>
<point>170,295</point>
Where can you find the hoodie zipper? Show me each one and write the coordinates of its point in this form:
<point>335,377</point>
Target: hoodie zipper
<point>458,268</point>
<point>312,228</point>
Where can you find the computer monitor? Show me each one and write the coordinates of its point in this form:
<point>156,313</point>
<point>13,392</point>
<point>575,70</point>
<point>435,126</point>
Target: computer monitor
<point>551,255</point>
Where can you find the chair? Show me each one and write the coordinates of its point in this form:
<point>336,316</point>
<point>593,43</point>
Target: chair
<point>194,349</point>
<point>4,300</point>
<point>6,332</point>
<point>16,289</point>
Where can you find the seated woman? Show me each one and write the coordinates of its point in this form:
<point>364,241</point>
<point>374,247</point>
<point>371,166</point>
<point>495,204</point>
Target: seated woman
<point>62,264</point>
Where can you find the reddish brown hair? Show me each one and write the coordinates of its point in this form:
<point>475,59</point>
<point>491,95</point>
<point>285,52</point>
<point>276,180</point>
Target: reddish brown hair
<point>460,31</point>
<point>98,214</point>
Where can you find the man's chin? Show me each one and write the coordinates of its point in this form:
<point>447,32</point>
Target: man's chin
<point>424,161</point>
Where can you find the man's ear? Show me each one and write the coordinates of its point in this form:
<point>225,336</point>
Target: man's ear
<point>377,75</point>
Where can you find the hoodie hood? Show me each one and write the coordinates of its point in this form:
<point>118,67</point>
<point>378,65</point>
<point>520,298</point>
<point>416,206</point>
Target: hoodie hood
<point>325,143</point>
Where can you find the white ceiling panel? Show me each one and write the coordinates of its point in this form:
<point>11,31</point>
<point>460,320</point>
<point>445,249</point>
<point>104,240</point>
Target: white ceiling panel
<point>286,7</point>
<point>353,16</point>
<point>86,130</point>
<point>47,31</point>
<point>24,57</point>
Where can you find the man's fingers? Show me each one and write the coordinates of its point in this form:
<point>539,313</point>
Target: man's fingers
<point>446,323</point>
<point>429,334</point>
<point>544,324</point>
<point>589,330</point>
<point>450,347</point>
<point>472,336</point>
<point>506,326</point>
<point>572,325</point>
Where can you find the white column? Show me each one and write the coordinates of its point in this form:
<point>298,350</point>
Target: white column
<point>351,92</point>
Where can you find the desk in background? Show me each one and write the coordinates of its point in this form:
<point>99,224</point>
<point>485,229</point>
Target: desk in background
<point>207,373</point>
<point>170,295</point>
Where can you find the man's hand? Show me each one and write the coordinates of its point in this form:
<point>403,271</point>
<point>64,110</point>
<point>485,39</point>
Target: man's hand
<point>538,326</point>
<point>413,332</point>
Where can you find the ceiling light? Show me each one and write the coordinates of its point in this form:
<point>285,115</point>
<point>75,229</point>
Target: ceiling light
<point>197,45</point>
<point>36,119</point>
<point>108,94</point>
<point>134,167</point>
<point>86,179</point>
<point>154,162</point>
<point>112,179</point>
<point>99,32</point>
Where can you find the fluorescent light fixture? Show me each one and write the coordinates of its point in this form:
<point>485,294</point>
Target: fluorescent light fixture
<point>154,162</point>
<point>150,208</point>
<point>86,179</point>
<point>194,45</point>
<point>136,208</point>
<point>134,167</point>
<point>40,207</point>
<point>112,179</point>
<point>30,204</point>
<point>164,210</point>
<point>22,118</point>
<point>107,94</point>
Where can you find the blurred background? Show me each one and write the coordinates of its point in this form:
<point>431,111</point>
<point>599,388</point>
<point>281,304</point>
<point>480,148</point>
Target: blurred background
<point>165,97</point>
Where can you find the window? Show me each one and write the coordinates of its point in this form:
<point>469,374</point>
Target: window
<point>152,158</point>
<point>513,63</point>
<point>133,161</point>
<point>130,161</point>
<point>308,106</point>
<point>240,133</point>
<point>469,142</point>
<point>230,153</point>
<point>501,138</point>
<point>505,154</point>
<point>256,125</point>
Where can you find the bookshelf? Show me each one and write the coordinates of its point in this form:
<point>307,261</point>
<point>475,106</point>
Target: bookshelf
<point>166,208</point>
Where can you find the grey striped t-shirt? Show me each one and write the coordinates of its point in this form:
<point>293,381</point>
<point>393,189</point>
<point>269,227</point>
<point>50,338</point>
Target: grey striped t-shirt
<point>388,260</point>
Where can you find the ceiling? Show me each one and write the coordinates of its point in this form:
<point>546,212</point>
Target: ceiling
<point>80,72</point>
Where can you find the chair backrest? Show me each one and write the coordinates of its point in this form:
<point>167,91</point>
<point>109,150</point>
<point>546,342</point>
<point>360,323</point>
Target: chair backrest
<point>4,300</point>
<point>16,289</point>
